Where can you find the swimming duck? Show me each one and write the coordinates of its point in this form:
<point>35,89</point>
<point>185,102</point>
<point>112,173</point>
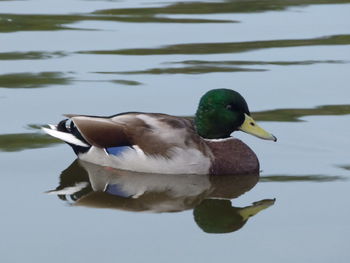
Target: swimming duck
<point>161,143</point>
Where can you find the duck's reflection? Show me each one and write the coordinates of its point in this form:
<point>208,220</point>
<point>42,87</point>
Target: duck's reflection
<point>86,184</point>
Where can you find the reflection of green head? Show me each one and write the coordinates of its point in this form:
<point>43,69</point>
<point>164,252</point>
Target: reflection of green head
<point>218,216</point>
<point>220,112</point>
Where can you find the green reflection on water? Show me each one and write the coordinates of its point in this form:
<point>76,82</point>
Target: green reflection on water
<point>185,70</point>
<point>126,82</point>
<point>228,6</point>
<point>15,22</point>
<point>229,47</point>
<point>40,22</point>
<point>24,141</point>
<point>116,81</point>
<point>203,67</point>
<point>30,55</point>
<point>34,126</point>
<point>346,167</point>
<point>253,63</point>
<point>294,115</point>
<point>33,80</point>
<point>301,178</point>
<point>152,19</point>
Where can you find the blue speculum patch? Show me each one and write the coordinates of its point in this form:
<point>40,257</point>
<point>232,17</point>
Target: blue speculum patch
<point>115,189</point>
<point>117,150</point>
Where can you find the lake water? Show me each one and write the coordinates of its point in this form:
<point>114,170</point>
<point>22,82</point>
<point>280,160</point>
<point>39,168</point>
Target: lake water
<point>289,59</point>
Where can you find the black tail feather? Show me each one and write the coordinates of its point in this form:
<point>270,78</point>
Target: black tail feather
<point>72,129</point>
<point>61,126</point>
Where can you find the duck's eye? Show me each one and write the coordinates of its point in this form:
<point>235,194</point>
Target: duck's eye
<point>229,107</point>
<point>252,123</point>
<point>232,107</point>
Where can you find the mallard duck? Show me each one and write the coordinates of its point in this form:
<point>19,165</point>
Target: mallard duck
<point>161,143</point>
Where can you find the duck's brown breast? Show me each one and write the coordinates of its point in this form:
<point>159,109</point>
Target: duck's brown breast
<point>232,156</point>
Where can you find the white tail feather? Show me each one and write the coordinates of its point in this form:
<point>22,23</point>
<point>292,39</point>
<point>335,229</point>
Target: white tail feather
<point>67,137</point>
<point>69,190</point>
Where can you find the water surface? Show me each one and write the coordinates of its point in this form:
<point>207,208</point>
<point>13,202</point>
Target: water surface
<point>289,59</point>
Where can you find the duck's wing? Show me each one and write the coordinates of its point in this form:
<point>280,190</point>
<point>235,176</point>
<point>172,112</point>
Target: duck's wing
<point>153,133</point>
<point>101,132</point>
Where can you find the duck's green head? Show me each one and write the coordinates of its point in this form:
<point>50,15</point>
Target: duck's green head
<point>223,111</point>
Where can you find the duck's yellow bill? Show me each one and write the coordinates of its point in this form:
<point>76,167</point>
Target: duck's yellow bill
<point>252,210</point>
<point>251,127</point>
